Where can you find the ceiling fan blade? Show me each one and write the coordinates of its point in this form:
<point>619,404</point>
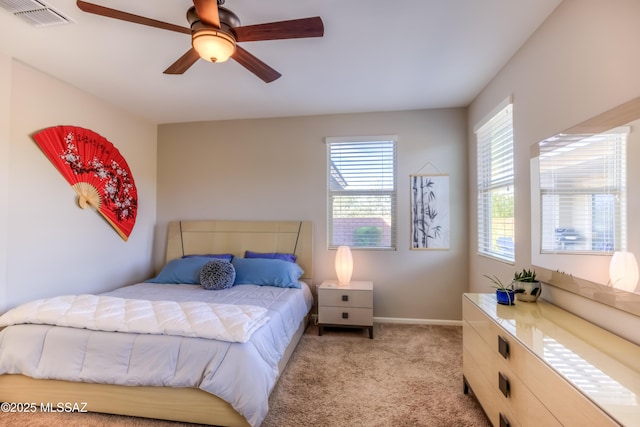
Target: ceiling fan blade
<point>207,11</point>
<point>183,63</point>
<point>256,66</point>
<point>293,29</point>
<point>129,17</point>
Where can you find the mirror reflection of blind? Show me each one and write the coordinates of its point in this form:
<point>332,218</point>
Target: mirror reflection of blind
<point>362,192</point>
<point>583,193</point>
<point>495,186</point>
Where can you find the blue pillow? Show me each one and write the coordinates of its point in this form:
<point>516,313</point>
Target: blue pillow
<point>227,257</point>
<point>181,270</point>
<point>266,272</point>
<point>271,255</point>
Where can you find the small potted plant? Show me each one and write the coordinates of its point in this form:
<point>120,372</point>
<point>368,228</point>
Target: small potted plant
<point>505,294</point>
<point>527,287</point>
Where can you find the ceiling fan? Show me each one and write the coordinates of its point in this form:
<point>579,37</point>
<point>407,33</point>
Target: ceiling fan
<point>215,32</point>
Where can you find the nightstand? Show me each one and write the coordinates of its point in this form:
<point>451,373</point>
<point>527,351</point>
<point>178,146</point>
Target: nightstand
<point>345,305</point>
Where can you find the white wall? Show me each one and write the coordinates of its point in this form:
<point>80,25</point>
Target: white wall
<point>583,61</point>
<point>51,246</point>
<point>5,98</point>
<point>276,169</point>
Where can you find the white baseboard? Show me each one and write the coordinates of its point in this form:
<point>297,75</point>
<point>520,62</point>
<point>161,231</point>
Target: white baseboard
<point>418,321</point>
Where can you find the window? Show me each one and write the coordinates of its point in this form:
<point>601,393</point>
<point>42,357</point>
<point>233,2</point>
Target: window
<point>495,185</point>
<point>582,193</point>
<point>362,192</point>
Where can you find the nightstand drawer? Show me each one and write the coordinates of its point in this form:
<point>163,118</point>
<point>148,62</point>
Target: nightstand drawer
<point>345,298</point>
<point>345,316</point>
<point>345,305</point>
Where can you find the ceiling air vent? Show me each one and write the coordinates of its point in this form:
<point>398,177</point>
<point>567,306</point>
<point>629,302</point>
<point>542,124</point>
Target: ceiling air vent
<point>34,12</point>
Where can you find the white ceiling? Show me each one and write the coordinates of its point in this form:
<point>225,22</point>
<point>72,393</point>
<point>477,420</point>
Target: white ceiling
<point>374,56</point>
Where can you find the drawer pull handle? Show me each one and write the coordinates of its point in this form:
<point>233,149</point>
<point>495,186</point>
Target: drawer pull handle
<point>503,384</point>
<point>345,298</point>
<point>345,315</point>
<point>504,422</point>
<point>503,347</point>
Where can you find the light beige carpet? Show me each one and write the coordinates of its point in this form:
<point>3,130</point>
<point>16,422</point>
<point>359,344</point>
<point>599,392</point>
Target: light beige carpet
<point>409,375</point>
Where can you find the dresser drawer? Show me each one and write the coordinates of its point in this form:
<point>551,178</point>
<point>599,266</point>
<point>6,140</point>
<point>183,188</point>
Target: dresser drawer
<point>345,298</point>
<point>345,316</point>
<point>491,365</point>
<point>523,344</point>
<point>570,406</point>
<point>499,341</point>
<point>519,399</point>
<point>484,390</point>
<point>483,356</point>
<point>479,322</point>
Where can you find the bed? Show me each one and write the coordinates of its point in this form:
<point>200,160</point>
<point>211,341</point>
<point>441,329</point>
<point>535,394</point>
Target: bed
<point>183,399</point>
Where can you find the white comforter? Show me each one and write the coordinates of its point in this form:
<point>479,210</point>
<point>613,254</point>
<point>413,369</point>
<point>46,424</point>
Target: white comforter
<point>224,322</point>
<point>242,374</point>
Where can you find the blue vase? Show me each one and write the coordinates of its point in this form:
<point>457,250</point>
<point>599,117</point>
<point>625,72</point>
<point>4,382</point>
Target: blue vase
<point>505,296</point>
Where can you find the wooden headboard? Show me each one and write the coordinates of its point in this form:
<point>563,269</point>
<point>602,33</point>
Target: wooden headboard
<point>235,237</point>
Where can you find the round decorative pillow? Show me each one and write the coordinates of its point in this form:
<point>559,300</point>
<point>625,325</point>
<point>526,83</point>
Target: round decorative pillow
<point>217,274</point>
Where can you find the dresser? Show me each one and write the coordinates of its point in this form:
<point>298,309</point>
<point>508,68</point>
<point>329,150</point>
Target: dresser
<point>534,364</point>
<point>349,305</point>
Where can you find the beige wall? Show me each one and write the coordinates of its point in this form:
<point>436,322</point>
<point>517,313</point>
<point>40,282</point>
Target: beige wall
<point>48,245</point>
<point>276,169</point>
<point>583,61</point>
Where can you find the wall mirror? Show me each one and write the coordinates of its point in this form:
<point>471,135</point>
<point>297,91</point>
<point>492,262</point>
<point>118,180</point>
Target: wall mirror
<point>576,231</point>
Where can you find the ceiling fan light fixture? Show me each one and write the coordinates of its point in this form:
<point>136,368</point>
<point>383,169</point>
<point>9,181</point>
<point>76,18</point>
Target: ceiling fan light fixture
<point>213,45</point>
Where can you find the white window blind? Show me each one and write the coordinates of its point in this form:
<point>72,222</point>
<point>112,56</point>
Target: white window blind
<point>582,190</point>
<point>362,192</point>
<point>495,186</point>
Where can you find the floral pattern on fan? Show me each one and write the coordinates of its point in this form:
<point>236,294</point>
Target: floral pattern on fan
<point>97,172</point>
<point>117,181</point>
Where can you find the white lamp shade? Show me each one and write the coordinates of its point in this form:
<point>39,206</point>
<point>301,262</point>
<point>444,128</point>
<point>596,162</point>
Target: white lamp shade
<point>212,45</point>
<point>623,271</point>
<point>344,265</point>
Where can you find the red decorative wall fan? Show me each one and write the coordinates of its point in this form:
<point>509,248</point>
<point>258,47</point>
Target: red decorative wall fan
<point>96,171</point>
